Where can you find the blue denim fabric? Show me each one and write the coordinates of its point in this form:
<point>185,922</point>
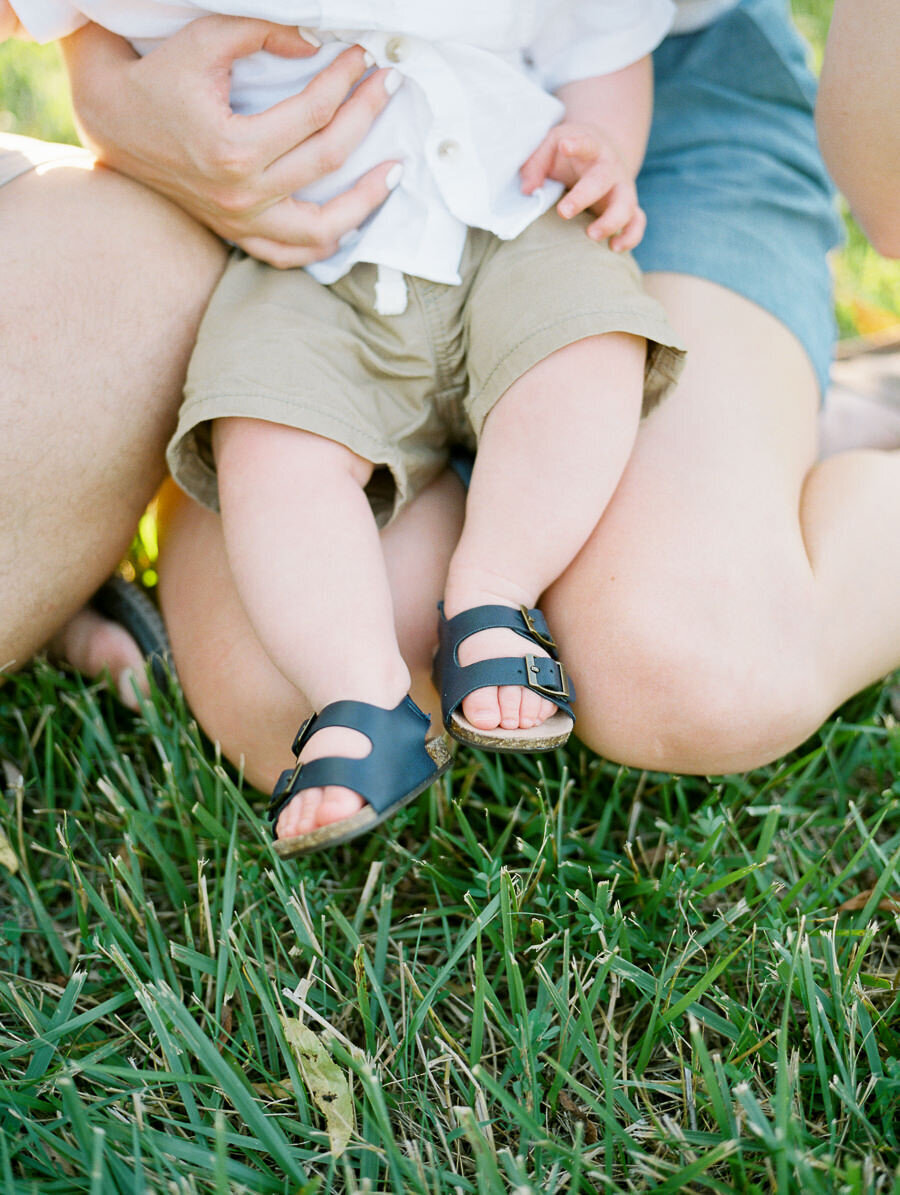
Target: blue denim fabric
<point>733,185</point>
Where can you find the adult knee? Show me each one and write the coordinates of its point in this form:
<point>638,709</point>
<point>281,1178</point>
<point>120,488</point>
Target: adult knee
<point>698,694</point>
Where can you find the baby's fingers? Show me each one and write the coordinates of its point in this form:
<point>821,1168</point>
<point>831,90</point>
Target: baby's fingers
<point>631,235</point>
<point>618,210</point>
<point>580,146</point>
<point>535,170</point>
<point>587,192</point>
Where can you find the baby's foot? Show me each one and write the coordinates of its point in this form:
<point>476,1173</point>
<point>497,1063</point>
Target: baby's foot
<point>313,808</point>
<point>508,707</point>
<point>316,807</point>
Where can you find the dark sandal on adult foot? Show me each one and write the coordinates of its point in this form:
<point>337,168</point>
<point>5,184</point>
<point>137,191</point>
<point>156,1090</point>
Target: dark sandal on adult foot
<point>400,765</point>
<point>543,674</point>
<point>126,603</point>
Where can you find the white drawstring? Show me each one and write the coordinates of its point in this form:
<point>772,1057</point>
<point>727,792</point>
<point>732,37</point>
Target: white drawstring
<point>390,291</point>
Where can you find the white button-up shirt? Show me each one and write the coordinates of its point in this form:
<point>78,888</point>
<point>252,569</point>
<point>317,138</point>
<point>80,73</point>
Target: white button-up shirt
<point>474,104</point>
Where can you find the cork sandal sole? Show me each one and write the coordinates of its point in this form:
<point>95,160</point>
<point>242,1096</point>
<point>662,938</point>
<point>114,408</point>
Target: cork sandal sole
<point>549,735</point>
<point>367,819</point>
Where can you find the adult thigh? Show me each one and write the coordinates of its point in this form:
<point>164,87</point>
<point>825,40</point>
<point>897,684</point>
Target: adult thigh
<point>688,618</point>
<point>103,286</point>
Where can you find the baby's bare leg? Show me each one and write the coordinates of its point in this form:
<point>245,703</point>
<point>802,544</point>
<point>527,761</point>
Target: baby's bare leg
<point>306,559</point>
<point>551,454</point>
<point>238,696</point>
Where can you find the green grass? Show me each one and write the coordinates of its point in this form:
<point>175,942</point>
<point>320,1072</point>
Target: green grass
<point>553,976</point>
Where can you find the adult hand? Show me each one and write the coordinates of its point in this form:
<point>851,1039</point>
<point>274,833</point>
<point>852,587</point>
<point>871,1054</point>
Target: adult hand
<point>9,22</point>
<point>165,120</point>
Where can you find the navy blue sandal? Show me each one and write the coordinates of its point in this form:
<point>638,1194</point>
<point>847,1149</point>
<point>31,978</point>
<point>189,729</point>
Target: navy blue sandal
<point>544,674</point>
<point>400,765</point>
<point>127,603</point>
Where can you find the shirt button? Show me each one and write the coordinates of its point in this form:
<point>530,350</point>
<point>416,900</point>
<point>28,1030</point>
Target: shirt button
<point>396,49</point>
<point>448,150</point>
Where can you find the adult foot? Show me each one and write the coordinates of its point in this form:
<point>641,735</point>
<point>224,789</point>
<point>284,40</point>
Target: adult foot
<point>93,645</point>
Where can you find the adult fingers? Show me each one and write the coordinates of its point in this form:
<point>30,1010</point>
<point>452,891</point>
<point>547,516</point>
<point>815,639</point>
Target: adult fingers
<point>346,212</point>
<point>286,125</point>
<point>326,151</point>
<point>222,39</point>
<point>281,256</point>
<point>292,233</point>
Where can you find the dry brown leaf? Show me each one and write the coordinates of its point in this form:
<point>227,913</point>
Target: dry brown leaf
<point>887,904</point>
<point>591,1132</point>
<point>7,855</point>
<point>326,1082</point>
<point>12,777</point>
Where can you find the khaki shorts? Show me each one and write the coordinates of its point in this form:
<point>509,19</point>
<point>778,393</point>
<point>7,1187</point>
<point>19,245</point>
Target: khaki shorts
<point>401,390</point>
<point>18,155</point>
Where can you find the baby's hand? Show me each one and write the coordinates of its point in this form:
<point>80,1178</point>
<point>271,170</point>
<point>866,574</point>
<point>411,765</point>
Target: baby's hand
<point>583,158</point>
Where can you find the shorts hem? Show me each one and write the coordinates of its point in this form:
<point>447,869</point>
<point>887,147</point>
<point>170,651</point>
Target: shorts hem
<point>818,354</point>
<point>198,478</point>
<point>665,357</point>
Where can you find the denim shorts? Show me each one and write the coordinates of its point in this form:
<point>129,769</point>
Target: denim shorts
<point>733,184</point>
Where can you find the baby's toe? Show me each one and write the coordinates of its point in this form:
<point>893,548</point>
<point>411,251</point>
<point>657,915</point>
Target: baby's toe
<point>532,709</point>
<point>509,698</point>
<point>336,804</point>
<point>300,816</point>
<point>481,709</point>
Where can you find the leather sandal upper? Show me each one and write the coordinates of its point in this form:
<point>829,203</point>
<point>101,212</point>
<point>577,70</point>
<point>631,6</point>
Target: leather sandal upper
<point>544,674</point>
<point>397,763</point>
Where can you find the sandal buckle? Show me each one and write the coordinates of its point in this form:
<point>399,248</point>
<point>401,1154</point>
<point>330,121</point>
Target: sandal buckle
<point>534,631</point>
<point>283,785</point>
<point>297,744</point>
<point>532,667</point>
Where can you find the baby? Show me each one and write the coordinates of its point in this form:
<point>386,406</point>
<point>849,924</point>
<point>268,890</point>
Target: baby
<point>464,311</point>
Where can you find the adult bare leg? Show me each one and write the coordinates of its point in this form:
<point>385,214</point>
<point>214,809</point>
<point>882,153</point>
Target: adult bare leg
<point>103,285</point>
<point>733,594</point>
<point>238,695</point>
<point>862,407</point>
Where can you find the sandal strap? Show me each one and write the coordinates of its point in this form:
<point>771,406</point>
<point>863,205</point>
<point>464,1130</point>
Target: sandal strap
<point>544,674</point>
<point>398,750</point>
<point>530,624</point>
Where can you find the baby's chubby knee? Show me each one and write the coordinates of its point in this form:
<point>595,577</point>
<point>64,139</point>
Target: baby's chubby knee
<point>695,693</point>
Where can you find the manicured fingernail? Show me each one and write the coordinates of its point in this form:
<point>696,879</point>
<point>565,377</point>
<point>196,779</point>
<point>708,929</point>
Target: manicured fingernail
<point>393,176</point>
<point>369,58</point>
<point>349,238</point>
<point>309,38</point>
<point>392,81</point>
